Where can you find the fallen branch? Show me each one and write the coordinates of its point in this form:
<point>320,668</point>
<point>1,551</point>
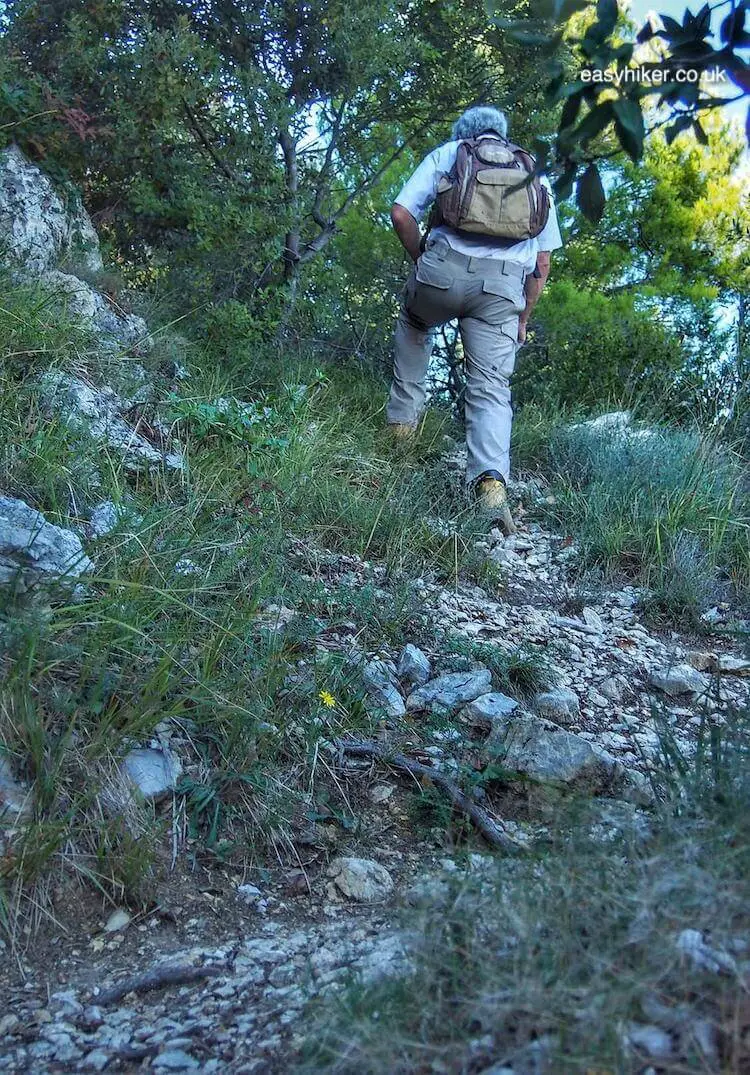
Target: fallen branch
<point>489,828</point>
<point>158,977</point>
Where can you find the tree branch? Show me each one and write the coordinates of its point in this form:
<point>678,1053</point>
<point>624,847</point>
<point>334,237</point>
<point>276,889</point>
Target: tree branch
<point>489,828</point>
<point>204,141</point>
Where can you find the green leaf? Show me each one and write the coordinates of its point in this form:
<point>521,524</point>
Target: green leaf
<point>629,126</point>
<point>672,28</point>
<point>733,26</point>
<point>606,13</point>
<point>703,20</point>
<point>700,134</point>
<point>593,123</point>
<point>645,33</point>
<point>564,184</point>
<point>590,197</point>
<point>570,111</point>
<point>566,8</point>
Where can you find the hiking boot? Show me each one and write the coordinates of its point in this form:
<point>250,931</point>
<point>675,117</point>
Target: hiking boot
<point>492,497</point>
<point>401,431</point>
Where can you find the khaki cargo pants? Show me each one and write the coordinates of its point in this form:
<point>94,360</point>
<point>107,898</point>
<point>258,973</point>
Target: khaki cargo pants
<point>486,295</point>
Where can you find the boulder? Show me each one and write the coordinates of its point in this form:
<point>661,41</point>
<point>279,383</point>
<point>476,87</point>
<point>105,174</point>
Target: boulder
<point>732,666</point>
<point>38,227</point>
<point>41,229</point>
<point>151,772</point>
<point>362,880</point>
<point>724,663</point>
<point>33,551</point>
<point>560,705</point>
<point>382,688</point>
<point>678,679</point>
<point>413,666</point>
<point>614,426</point>
<point>447,693</point>
<point>547,754</point>
<point>96,411</point>
<point>114,329</point>
<point>488,708</point>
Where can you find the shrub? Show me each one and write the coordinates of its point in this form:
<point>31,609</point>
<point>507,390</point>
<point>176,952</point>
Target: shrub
<point>593,350</point>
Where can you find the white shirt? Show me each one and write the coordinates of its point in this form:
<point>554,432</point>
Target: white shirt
<point>419,191</point>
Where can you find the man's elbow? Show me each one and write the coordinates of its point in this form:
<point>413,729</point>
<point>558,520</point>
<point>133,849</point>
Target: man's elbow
<point>400,217</point>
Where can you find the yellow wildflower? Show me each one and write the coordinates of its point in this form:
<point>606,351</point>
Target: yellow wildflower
<point>327,699</point>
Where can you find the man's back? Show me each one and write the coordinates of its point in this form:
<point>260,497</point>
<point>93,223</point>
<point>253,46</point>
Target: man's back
<point>418,194</point>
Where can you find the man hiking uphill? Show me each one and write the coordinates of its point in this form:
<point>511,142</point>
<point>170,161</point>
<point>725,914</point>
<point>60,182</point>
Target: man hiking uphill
<point>484,261</point>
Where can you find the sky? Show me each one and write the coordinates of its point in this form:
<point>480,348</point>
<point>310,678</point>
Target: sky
<point>639,10</point>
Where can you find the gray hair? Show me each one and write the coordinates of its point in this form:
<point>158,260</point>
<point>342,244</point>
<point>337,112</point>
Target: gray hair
<point>477,120</point>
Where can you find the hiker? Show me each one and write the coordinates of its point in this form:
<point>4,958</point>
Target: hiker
<point>484,260</point>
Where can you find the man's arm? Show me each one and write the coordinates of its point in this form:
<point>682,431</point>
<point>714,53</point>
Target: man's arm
<point>534,287</point>
<point>407,230</point>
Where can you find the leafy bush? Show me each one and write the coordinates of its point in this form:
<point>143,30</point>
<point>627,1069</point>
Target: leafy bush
<point>595,350</point>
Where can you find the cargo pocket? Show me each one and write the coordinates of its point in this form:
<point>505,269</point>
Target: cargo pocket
<point>509,328</point>
<point>505,287</point>
<point>432,283</point>
<point>432,275</point>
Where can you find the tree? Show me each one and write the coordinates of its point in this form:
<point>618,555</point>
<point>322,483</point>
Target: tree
<point>237,135</point>
<point>608,92</point>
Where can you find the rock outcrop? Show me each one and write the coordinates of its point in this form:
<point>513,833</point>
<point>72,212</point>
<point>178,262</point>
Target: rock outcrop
<point>97,412</point>
<point>42,230</point>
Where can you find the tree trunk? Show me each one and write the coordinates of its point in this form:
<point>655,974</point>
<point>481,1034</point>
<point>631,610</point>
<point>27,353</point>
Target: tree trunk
<point>291,243</point>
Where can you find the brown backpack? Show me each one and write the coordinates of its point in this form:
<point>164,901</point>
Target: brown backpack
<point>488,192</point>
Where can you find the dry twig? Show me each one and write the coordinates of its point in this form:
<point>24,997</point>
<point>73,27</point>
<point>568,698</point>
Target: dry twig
<point>489,828</point>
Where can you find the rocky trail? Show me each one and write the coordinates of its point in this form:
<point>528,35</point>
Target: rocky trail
<point>219,975</point>
<point>223,971</point>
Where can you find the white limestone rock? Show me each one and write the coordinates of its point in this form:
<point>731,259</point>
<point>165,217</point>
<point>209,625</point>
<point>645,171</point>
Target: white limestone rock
<point>33,551</point>
<point>560,705</point>
<point>96,412</point>
<point>447,693</point>
<point>38,227</point>
<point>361,880</point>
<point>413,665</point>
<point>678,679</point>
<point>151,772</point>
<point>383,689</point>
<point>488,708</point>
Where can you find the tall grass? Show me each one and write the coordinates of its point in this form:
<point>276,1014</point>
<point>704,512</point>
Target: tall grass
<point>664,507</point>
<point>266,499</point>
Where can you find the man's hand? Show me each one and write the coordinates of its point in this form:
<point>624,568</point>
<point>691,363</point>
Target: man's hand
<point>533,288</point>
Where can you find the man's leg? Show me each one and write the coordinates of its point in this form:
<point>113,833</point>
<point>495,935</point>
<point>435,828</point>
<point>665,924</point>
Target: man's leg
<point>412,348</point>
<point>490,354</point>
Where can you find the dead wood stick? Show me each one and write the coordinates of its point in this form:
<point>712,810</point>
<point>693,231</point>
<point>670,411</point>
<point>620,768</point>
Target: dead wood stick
<point>492,832</point>
<point>157,977</point>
